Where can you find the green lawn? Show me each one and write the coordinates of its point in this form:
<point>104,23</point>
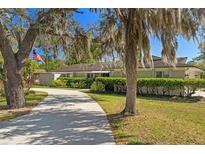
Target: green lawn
<point>33,98</point>
<point>159,120</point>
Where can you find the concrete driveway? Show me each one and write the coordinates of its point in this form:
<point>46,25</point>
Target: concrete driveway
<point>64,117</point>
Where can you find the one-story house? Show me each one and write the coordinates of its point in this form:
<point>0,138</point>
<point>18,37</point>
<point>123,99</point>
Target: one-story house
<point>115,69</point>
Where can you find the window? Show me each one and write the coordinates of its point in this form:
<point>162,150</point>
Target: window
<point>90,75</point>
<point>159,74</point>
<point>162,74</point>
<point>105,74</point>
<point>166,74</point>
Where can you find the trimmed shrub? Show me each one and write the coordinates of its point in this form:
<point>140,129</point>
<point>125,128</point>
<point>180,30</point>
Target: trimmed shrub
<point>145,86</point>
<point>77,82</point>
<point>191,85</point>
<point>155,86</point>
<point>97,87</point>
<point>110,82</point>
<point>58,83</point>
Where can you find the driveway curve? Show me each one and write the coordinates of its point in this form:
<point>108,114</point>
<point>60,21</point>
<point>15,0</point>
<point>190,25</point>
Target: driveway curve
<point>64,117</point>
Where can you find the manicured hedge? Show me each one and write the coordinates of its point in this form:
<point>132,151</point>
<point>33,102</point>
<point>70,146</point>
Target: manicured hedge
<point>145,86</point>
<point>110,82</point>
<point>155,86</point>
<point>77,82</point>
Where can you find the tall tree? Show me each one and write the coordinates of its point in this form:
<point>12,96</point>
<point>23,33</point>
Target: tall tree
<point>18,32</point>
<point>128,31</point>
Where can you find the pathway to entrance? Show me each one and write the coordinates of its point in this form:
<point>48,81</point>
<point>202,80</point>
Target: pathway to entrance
<point>64,117</point>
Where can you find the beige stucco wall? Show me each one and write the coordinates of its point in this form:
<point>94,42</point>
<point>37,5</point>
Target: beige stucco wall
<point>45,79</point>
<point>117,73</point>
<point>193,72</point>
<point>151,73</point>
<point>145,73</point>
<point>175,73</point>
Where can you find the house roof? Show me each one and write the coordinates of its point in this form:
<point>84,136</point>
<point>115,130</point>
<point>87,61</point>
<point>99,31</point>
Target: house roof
<point>89,67</point>
<point>40,71</point>
<point>157,61</point>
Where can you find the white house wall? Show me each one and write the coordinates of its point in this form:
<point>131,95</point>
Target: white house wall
<point>56,76</point>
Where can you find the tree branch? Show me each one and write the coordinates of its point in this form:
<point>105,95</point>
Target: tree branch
<point>5,46</point>
<point>31,34</point>
<point>121,15</point>
<point>27,44</point>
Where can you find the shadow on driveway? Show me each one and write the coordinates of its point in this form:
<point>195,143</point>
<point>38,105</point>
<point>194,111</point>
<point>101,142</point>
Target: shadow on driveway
<point>60,119</point>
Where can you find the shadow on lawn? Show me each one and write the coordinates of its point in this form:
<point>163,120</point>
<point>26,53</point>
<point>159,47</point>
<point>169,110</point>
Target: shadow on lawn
<point>31,100</point>
<point>176,99</point>
<point>116,122</point>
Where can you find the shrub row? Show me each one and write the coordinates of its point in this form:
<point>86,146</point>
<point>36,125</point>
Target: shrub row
<point>76,82</point>
<point>155,86</point>
<point>150,86</point>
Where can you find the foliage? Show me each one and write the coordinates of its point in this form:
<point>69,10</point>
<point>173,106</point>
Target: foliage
<point>29,69</point>
<point>155,86</point>
<point>110,82</point>
<point>77,82</point>
<point>58,83</point>
<point>198,61</point>
<point>145,86</point>
<point>153,22</point>
<point>52,65</point>
<point>97,87</point>
<point>18,38</point>
<point>128,32</point>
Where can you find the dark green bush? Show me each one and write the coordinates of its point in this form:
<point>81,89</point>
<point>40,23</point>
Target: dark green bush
<point>77,82</point>
<point>58,83</point>
<point>145,86</point>
<point>155,86</point>
<point>97,86</point>
<point>191,85</point>
<point>110,82</point>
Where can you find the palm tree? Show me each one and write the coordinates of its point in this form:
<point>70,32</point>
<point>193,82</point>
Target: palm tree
<point>128,32</point>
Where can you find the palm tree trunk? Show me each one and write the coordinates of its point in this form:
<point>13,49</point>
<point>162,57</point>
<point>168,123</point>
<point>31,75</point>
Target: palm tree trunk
<point>130,65</point>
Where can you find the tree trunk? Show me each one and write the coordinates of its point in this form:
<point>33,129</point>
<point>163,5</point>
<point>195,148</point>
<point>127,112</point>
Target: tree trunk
<point>55,54</point>
<point>130,65</point>
<point>6,92</point>
<point>14,90</point>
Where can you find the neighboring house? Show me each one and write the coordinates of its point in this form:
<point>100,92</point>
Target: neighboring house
<point>115,69</point>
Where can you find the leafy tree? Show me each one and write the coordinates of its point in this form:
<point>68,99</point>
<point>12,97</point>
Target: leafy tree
<point>52,65</point>
<point>18,32</point>
<point>127,31</point>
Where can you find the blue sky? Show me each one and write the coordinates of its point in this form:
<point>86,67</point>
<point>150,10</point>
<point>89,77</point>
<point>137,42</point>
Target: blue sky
<point>186,48</point>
